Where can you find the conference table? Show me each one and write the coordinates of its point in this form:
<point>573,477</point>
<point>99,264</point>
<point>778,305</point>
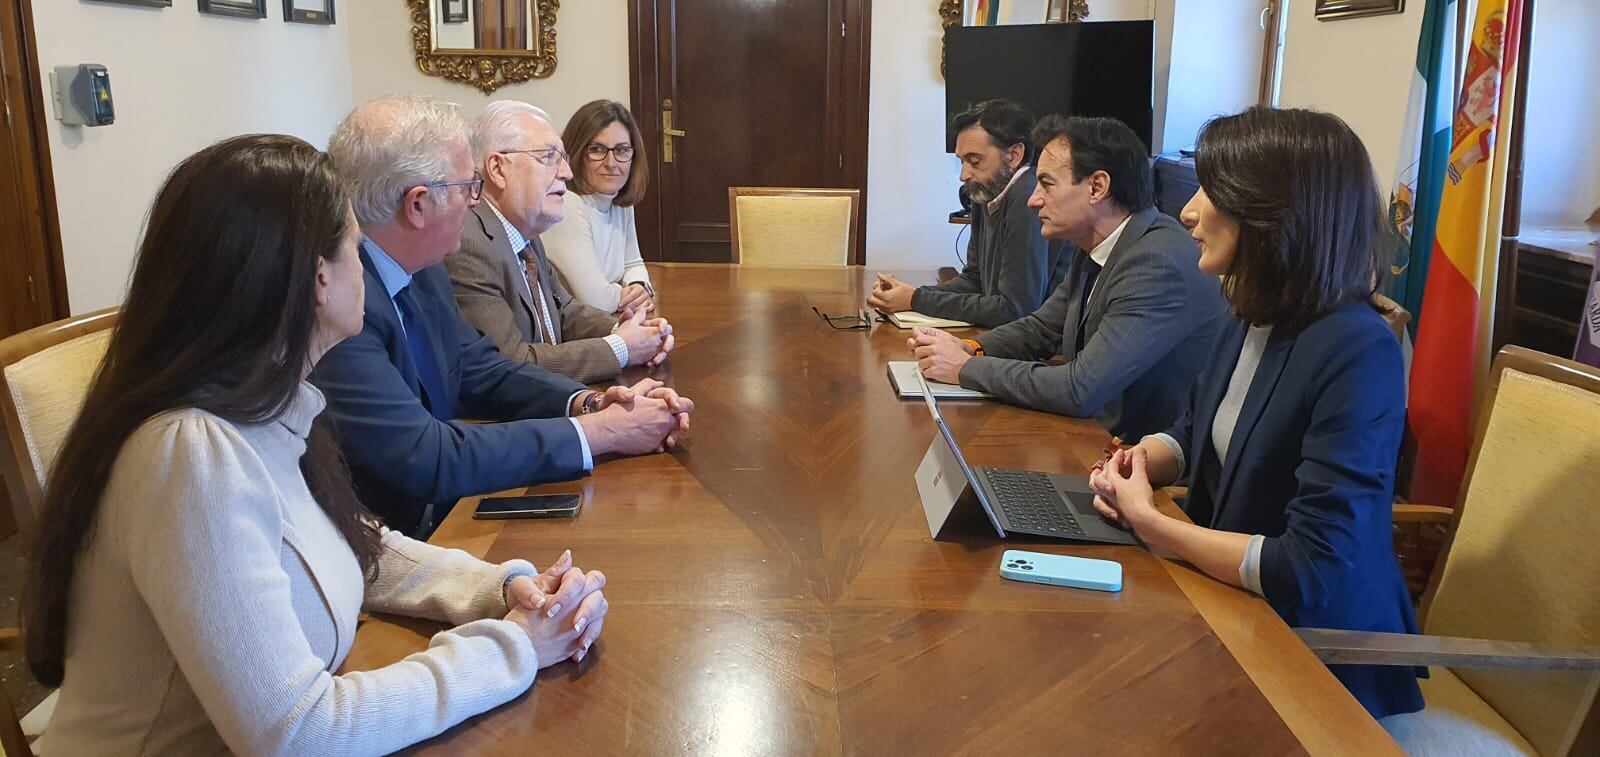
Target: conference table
<point>774,589</point>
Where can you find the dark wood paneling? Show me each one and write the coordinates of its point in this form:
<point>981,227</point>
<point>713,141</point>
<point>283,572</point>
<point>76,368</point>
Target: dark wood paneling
<point>770,94</point>
<point>32,277</point>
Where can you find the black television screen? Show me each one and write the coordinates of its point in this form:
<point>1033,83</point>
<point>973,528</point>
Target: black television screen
<point>1101,68</point>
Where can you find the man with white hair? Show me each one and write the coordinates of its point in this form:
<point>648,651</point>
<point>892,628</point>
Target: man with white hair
<point>396,390</point>
<point>503,281</point>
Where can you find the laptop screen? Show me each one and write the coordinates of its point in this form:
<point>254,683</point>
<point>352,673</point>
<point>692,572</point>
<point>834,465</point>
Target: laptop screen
<point>955,449</point>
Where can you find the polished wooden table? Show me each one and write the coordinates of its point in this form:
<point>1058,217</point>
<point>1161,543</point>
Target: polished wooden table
<point>774,591</point>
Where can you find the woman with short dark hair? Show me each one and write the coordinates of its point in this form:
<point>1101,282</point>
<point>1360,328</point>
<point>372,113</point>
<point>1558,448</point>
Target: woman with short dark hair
<point>202,557</point>
<point>1292,434</point>
<point>596,246</point>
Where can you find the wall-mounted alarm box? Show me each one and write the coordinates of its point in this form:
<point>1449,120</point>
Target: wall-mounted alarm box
<point>83,95</point>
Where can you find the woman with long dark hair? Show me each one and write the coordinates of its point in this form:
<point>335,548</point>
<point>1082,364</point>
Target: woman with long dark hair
<point>202,557</point>
<point>1291,436</point>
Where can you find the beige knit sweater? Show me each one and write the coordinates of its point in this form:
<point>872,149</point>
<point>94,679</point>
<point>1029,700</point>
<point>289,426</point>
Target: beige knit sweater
<point>215,601</point>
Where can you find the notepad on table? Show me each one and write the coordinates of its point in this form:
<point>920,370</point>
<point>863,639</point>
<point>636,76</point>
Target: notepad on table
<point>903,376</point>
<point>910,319</point>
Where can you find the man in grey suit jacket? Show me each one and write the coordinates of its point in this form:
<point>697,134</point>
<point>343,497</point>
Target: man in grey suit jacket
<point>504,283</point>
<point>1010,268</point>
<point>1133,321</point>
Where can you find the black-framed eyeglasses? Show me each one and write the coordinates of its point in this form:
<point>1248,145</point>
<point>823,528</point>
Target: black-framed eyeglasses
<point>856,320</point>
<point>549,157</point>
<point>474,185</point>
<point>597,153</point>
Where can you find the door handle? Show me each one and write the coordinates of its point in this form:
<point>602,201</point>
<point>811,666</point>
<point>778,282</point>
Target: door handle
<point>667,133</point>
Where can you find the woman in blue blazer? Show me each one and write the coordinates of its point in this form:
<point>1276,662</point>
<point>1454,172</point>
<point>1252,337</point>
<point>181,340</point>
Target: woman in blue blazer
<point>1292,433</point>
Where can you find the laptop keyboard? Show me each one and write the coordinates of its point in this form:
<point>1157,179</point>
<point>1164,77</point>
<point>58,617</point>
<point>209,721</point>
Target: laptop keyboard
<point>1030,502</point>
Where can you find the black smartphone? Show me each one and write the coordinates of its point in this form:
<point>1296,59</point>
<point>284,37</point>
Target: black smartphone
<point>529,506</point>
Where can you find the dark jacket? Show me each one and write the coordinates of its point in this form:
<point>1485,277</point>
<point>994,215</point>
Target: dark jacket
<point>401,457</point>
<point>1151,319</point>
<point>1311,467</point>
<point>1010,269</point>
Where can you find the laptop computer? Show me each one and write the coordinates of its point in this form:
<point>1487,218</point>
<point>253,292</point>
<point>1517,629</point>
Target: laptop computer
<point>1051,505</point>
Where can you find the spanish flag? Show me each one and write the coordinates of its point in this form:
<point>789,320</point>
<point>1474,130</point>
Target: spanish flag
<point>1453,350</point>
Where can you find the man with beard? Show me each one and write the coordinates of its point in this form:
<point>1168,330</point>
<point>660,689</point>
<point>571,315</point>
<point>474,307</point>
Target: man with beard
<point>1135,319</point>
<point>1010,268</point>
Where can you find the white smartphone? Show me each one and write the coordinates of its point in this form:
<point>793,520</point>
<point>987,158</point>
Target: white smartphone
<point>1060,570</point>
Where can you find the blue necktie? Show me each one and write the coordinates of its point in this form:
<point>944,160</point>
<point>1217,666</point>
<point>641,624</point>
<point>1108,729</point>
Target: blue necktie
<point>422,356</point>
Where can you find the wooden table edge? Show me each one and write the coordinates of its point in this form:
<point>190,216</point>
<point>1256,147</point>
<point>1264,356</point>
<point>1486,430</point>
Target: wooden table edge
<point>1240,622</point>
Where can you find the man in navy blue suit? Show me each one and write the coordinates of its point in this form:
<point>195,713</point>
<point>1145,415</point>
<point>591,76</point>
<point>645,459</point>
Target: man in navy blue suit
<point>397,391</point>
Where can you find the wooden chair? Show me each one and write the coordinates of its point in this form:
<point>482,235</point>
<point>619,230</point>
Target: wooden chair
<point>45,373</point>
<point>1511,615</point>
<point>793,228</point>
<point>1394,314</point>
<point>12,740</point>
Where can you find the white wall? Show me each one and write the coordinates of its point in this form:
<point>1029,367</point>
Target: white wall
<point>591,52</point>
<point>456,36</point>
<point>1218,71</point>
<point>181,80</point>
<point>911,180</point>
<point>1561,183</point>
<point>1359,69</point>
<point>1023,11</point>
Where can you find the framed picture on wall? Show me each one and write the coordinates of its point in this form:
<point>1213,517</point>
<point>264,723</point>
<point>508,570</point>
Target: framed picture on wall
<point>1329,10</point>
<point>455,11</point>
<point>308,11</point>
<point>144,3</point>
<point>236,8</point>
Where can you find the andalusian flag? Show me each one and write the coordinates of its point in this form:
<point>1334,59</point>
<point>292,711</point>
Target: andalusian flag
<point>1419,175</point>
<point>1452,354</point>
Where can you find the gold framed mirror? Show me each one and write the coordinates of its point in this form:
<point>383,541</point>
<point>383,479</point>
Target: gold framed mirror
<point>955,12</point>
<point>485,43</point>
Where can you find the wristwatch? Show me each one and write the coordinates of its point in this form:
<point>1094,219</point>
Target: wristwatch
<point>591,403</point>
<point>977,349</point>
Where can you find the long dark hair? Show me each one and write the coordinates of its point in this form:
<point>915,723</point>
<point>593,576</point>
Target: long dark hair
<point>591,119</point>
<point>1311,224</point>
<point>220,316</point>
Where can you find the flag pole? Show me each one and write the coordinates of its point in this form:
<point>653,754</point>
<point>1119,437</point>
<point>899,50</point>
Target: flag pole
<point>1506,281</point>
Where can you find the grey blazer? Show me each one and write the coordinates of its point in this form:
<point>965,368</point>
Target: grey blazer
<point>1151,319</point>
<point>493,294</point>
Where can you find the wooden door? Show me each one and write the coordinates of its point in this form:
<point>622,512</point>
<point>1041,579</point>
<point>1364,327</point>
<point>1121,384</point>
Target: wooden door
<point>501,25</point>
<point>765,94</point>
<point>32,280</point>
